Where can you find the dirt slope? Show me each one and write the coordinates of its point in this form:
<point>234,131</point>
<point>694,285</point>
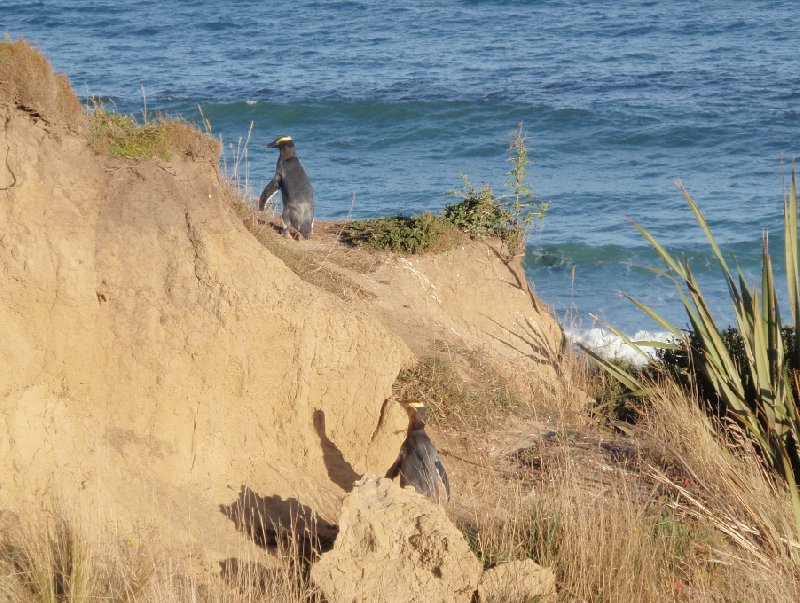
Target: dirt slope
<point>157,358</point>
<point>471,301</point>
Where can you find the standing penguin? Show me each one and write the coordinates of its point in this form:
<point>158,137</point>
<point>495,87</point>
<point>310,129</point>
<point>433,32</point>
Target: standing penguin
<point>418,463</point>
<point>298,198</point>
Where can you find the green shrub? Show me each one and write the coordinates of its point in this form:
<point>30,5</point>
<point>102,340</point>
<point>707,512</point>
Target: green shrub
<point>402,234</point>
<point>121,136</point>
<point>477,214</point>
<point>684,363</point>
<point>481,212</point>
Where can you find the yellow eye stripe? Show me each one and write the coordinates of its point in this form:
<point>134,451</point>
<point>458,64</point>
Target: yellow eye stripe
<point>283,139</point>
<point>416,404</point>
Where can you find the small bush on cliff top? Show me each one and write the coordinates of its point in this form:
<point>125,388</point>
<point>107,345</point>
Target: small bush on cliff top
<point>403,234</point>
<point>122,136</point>
<point>480,213</point>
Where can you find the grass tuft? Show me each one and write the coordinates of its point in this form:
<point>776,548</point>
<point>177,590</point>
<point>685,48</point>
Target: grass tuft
<point>27,80</point>
<point>457,396</point>
<point>52,560</point>
<point>122,136</point>
<point>55,557</point>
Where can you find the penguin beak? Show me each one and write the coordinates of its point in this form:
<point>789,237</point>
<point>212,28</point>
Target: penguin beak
<point>272,145</point>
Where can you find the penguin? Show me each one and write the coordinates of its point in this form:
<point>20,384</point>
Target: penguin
<point>418,463</point>
<point>296,193</point>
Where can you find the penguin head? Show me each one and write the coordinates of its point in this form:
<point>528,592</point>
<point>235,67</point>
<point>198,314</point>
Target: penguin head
<point>281,142</point>
<point>416,412</point>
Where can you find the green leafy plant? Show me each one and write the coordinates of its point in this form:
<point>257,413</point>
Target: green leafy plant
<point>482,212</point>
<point>401,234</point>
<point>756,384</point>
<point>684,364</point>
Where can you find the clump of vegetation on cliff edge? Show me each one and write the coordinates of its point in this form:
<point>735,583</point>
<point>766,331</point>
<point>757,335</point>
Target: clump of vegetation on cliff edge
<point>122,136</point>
<point>480,213</point>
<point>27,81</point>
<point>749,377</point>
<point>403,234</point>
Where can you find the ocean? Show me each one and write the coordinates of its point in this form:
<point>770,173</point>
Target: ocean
<point>389,102</point>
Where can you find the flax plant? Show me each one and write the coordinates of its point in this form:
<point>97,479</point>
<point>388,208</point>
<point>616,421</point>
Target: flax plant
<point>762,395</point>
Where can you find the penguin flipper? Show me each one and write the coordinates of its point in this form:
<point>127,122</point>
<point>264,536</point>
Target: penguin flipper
<point>443,475</point>
<point>268,191</point>
<point>394,470</point>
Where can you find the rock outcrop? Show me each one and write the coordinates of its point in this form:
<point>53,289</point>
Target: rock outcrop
<point>395,546</point>
<point>517,581</point>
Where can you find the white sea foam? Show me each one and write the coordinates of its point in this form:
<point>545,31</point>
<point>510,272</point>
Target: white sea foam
<point>611,346</point>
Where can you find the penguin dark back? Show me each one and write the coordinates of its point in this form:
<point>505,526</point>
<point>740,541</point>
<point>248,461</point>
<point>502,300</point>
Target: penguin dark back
<point>419,463</point>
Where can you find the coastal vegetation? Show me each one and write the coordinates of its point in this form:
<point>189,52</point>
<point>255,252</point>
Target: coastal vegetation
<point>748,375</point>
<point>403,234</point>
<point>437,382</point>
<point>480,213</point>
<point>28,81</point>
<point>123,136</point>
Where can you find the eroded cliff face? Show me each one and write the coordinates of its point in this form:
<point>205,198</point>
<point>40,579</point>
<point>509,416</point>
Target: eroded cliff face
<point>156,358</point>
<point>168,370</point>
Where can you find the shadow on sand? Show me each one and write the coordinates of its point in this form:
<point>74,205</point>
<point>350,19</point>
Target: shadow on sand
<point>273,523</point>
<point>339,470</point>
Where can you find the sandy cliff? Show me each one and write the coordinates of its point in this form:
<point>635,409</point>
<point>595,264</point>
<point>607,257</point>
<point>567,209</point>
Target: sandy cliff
<point>155,355</point>
<point>160,363</point>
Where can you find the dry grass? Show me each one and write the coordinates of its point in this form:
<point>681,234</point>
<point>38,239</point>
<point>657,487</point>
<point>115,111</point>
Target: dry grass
<point>460,390</point>
<point>54,556</point>
<point>670,513</point>
<point>682,517</point>
<point>718,478</point>
<point>27,81</point>
<point>608,546</point>
<point>667,510</point>
<point>318,269</point>
<point>466,390</point>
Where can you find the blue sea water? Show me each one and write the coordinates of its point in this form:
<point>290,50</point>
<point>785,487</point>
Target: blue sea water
<point>391,101</point>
